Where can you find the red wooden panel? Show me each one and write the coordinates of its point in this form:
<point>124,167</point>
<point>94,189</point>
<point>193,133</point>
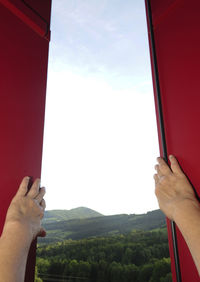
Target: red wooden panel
<point>42,7</point>
<point>23,73</point>
<point>31,15</point>
<point>176,27</point>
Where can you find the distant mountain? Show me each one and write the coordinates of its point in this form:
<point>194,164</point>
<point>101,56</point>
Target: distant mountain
<point>53,216</point>
<point>101,226</point>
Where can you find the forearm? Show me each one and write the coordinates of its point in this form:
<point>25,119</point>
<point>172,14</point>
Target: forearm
<point>14,247</point>
<point>188,222</point>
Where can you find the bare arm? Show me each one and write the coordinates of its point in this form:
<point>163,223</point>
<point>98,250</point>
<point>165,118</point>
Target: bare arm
<point>177,200</point>
<point>22,225</point>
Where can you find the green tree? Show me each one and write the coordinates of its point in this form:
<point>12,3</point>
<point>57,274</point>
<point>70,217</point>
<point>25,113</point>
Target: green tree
<point>42,265</point>
<point>145,272</point>
<point>37,279</point>
<point>84,269</point>
<point>102,272</point>
<point>161,269</point>
<point>116,272</point>
<point>167,278</point>
<point>127,257</point>
<point>130,273</point>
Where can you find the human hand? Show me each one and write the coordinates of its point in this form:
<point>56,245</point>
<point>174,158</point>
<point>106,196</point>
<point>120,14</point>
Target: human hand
<point>172,188</point>
<point>27,209</point>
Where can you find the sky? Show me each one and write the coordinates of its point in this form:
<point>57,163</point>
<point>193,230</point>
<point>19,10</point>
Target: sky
<point>100,137</point>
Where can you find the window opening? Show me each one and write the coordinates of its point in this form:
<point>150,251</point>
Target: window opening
<point>100,140</point>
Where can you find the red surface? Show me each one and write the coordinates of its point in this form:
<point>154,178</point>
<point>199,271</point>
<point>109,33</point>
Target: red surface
<point>23,73</point>
<point>30,15</point>
<point>176,31</point>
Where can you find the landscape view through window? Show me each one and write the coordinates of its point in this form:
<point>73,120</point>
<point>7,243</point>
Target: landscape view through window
<point>100,148</point>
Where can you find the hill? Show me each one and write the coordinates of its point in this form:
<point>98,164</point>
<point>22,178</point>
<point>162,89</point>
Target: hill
<point>80,228</point>
<point>63,215</point>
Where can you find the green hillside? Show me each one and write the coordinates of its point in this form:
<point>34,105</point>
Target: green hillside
<point>60,215</point>
<point>80,228</point>
<point>118,248</point>
<point>139,256</point>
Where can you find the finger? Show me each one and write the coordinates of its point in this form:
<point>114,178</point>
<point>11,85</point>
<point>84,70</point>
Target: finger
<point>23,188</point>
<point>175,165</point>
<point>42,232</point>
<point>40,195</point>
<point>34,191</point>
<point>156,178</point>
<point>156,167</point>
<point>43,204</point>
<point>163,166</point>
<point>158,170</point>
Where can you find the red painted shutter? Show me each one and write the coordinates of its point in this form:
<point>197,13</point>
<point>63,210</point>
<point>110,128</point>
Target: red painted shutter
<point>24,32</point>
<point>176,25</point>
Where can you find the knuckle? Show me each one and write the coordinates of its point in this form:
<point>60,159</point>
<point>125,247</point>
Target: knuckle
<point>164,179</point>
<point>163,166</point>
<point>160,160</point>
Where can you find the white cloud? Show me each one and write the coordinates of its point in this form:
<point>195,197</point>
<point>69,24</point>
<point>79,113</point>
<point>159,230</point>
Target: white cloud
<point>100,146</point>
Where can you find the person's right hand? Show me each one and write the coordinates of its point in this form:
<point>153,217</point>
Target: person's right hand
<point>172,188</point>
<point>27,209</point>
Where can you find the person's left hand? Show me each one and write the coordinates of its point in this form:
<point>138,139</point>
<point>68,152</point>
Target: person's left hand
<point>172,188</point>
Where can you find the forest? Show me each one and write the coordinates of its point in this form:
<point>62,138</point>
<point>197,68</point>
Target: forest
<point>138,256</point>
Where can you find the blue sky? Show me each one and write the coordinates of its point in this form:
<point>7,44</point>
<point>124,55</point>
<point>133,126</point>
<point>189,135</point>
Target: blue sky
<point>100,140</point>
<point>105,38</point>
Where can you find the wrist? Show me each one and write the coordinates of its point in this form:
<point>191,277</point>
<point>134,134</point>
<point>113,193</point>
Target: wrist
<point>19,232</point>
<point>185,208</point>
